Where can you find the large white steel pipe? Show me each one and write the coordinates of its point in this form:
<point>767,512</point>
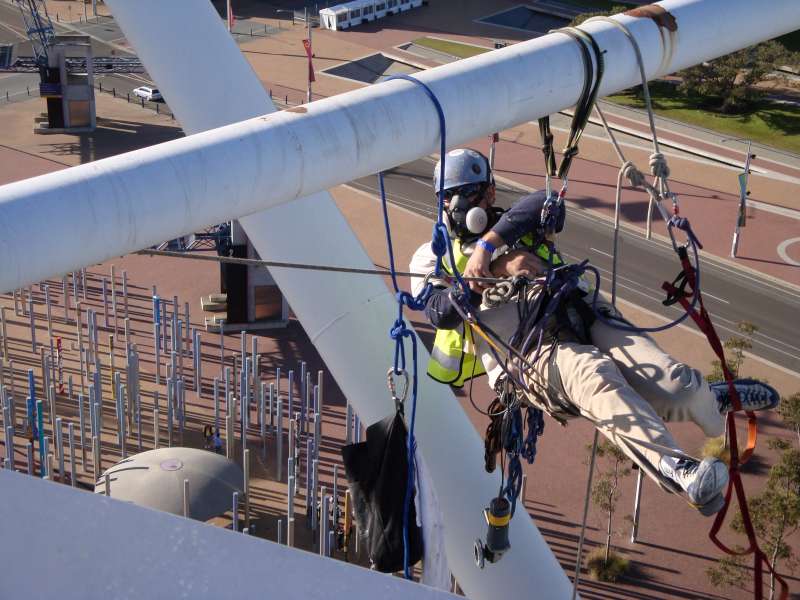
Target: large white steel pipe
<point>55,223</point>
<point>346,316</point>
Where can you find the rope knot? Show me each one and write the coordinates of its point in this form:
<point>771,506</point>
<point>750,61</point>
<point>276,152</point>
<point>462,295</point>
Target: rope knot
<point>632,174</point>
<point>406,299</point>
<point>399,330</point>
<point>683,224</point>
<point>658,165</point>
<point>439,239</point>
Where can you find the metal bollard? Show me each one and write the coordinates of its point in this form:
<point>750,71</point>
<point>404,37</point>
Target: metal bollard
<point>105,302</point>
<point>235,512</point>
<point>246,469</point>
<point>10,447</point>
<point>125,291</point>
<point>3,333</point>
<point>216,404</point>
<point>186,498</point>
<point>49,311</point>
<point>59,439</point>
<point>32,318</point>
<point>71,438</point>
<point>314,482</point>
<point>29,456</point>
<point>323,521</point>
<point>81,427</point>
<point>279,443</point>
<point>262,415</point>
<point>65,293</point>
<point>290,391</point>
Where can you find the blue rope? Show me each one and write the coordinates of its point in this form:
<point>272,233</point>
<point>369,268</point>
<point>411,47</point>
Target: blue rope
<point>440,245</point>
<point>440,237</point>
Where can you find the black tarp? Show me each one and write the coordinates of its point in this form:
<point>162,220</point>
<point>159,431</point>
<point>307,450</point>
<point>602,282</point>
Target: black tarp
<point>377,471</point>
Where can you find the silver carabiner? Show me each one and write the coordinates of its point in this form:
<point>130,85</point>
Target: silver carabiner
<point>400,398</point>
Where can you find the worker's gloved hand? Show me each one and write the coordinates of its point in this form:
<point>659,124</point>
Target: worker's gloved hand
<point>478,266</point>
<point>517,263</point>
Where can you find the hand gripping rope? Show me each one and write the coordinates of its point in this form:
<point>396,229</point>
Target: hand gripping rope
<point>440,244</point>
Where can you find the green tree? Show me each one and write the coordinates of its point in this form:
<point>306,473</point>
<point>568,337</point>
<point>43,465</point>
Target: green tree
<point>735,347</point>
<point>730,571</point>
<point>605,490</point>
<point>617,8</point>
<point>789,411</point>
<point>728,83</point>
<point>775,514</point>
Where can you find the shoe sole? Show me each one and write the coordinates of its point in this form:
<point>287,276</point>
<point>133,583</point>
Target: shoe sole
<point>711,508</point>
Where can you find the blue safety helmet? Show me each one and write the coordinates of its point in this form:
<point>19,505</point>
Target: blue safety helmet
<point>463,166</point>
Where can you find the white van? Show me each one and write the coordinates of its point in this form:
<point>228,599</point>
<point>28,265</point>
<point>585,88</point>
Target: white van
<point>380,8</point>
<point>335,18</point>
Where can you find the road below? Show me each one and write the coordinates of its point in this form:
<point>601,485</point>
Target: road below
<point>731,295</point>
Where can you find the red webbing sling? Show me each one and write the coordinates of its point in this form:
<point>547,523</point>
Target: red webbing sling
<point>703,321</point>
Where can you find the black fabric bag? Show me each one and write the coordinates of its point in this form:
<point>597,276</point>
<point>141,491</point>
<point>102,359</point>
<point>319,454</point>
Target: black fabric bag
<point>377,472</point>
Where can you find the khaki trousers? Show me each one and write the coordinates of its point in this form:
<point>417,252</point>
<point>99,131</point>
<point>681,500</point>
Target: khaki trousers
<point>628,387</point>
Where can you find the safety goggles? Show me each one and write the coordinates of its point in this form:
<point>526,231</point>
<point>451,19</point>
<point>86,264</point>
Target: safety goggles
<point>466,191</point>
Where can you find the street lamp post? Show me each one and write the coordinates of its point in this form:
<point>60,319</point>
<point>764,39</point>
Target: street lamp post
<point>741,217</point>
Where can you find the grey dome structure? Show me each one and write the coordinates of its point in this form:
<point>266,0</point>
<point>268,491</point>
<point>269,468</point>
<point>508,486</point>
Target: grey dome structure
<point>155,479</point>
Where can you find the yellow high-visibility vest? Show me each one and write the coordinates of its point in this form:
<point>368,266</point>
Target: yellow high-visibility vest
<point>453,358</point>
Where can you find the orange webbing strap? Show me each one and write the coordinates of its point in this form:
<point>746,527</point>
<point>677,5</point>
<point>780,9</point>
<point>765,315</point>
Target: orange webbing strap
<point>703,321</point>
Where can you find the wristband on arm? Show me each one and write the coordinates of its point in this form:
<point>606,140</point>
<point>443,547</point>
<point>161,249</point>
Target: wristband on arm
<point>486,246</point>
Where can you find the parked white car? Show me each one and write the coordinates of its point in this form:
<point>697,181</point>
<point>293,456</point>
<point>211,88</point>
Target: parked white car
<point>148,93</point>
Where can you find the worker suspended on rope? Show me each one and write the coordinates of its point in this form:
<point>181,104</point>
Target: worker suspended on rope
<point>579,366</point>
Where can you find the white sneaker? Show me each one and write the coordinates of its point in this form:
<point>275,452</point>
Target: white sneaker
<point>704,482</point>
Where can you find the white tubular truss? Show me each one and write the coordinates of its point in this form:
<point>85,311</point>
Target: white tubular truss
<point>55,223</point>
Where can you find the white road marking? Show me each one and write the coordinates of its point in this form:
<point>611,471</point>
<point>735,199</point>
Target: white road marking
<point>601,252</point>
<point>784,255</point>
<point>705,293</point>
<point>421,182</point>
<point>778,210</point>
<point>719,320</point>
<point>18,32</point>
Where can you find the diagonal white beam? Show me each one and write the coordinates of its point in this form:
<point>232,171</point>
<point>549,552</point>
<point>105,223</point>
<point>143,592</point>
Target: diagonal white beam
<point>346,316</point>
<point>57,222</point>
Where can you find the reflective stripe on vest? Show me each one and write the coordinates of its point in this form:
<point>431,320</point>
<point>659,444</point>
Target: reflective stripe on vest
<point>453,358</point>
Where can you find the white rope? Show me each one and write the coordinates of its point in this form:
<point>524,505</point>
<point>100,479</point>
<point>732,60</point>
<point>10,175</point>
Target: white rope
<point>659,168</point>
